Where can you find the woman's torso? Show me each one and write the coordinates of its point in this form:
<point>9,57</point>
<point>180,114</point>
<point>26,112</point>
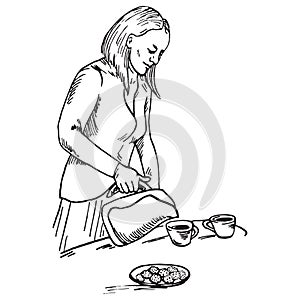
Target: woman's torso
<point>113,126</point>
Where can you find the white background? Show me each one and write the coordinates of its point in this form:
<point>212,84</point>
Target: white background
<point>242,57</point>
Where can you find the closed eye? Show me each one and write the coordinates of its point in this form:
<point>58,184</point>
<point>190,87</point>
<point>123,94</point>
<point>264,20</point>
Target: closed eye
<point>151,51</point>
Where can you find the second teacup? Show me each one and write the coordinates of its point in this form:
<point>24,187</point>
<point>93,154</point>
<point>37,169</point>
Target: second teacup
<point>222,225</point>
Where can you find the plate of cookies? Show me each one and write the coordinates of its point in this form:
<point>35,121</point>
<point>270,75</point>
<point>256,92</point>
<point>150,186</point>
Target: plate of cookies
<point>160,275</point>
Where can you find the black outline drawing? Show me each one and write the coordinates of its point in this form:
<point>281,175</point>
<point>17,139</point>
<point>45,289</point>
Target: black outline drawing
<point>161,284</point>
<point>196,224</point>
<point>157,235</point>
<point>181,232</point>
<point>131,64</point>
<point>131,50</point>
<point>121,239</point>
<point>148,285</point>
<point>223,225</point>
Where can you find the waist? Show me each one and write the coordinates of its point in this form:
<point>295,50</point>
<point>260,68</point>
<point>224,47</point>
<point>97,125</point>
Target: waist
<point>80,182</point>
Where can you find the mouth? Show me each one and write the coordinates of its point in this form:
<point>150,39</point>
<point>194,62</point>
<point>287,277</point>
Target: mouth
<point>146,64</point>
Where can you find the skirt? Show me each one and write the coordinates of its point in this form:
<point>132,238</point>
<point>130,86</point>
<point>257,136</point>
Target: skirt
<point>78,223</point>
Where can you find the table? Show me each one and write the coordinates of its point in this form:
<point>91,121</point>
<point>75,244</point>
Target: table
<point>158,236</point>
<point>155,245</point>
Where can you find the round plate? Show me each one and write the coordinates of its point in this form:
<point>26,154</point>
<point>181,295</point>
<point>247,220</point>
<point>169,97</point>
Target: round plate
<point>136,271</point>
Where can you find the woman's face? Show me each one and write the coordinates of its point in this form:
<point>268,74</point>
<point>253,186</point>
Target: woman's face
<point>147,49</point>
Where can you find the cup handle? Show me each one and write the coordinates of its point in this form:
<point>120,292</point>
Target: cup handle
<point>207,224</point>
<point>195,231</point>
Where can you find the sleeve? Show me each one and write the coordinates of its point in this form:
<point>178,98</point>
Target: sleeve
<point>81,99</point>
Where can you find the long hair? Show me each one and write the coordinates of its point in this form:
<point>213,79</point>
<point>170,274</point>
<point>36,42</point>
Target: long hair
<point>137,21</point>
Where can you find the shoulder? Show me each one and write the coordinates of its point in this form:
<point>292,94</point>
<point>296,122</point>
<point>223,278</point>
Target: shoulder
<point>96,72</point>
<point>101,69</point>
<point>88,75</point>
<point>86,83</point>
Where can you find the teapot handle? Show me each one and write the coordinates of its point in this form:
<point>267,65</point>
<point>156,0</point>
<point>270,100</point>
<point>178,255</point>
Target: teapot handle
<point>112,190</point>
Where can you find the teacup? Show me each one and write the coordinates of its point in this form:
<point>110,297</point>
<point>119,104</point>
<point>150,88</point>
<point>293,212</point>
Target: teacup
<point>181,232</point>
<point>222,225</point>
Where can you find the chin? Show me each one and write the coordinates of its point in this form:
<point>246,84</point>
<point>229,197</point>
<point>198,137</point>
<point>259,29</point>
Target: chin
<point>144,73</point>
<point>141,69</point>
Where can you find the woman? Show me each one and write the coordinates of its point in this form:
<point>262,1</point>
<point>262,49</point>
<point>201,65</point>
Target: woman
<point>100,150</point>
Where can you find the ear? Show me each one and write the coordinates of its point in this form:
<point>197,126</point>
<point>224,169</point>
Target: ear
<point>129,41</point>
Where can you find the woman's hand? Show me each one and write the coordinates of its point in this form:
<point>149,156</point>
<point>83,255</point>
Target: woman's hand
<point>127,179</point>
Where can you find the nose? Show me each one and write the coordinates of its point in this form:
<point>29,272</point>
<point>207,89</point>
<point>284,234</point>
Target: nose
<point>154,59</point>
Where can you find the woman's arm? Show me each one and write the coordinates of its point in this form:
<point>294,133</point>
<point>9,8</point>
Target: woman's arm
<point>146,148</point>
<point>81,101</point>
